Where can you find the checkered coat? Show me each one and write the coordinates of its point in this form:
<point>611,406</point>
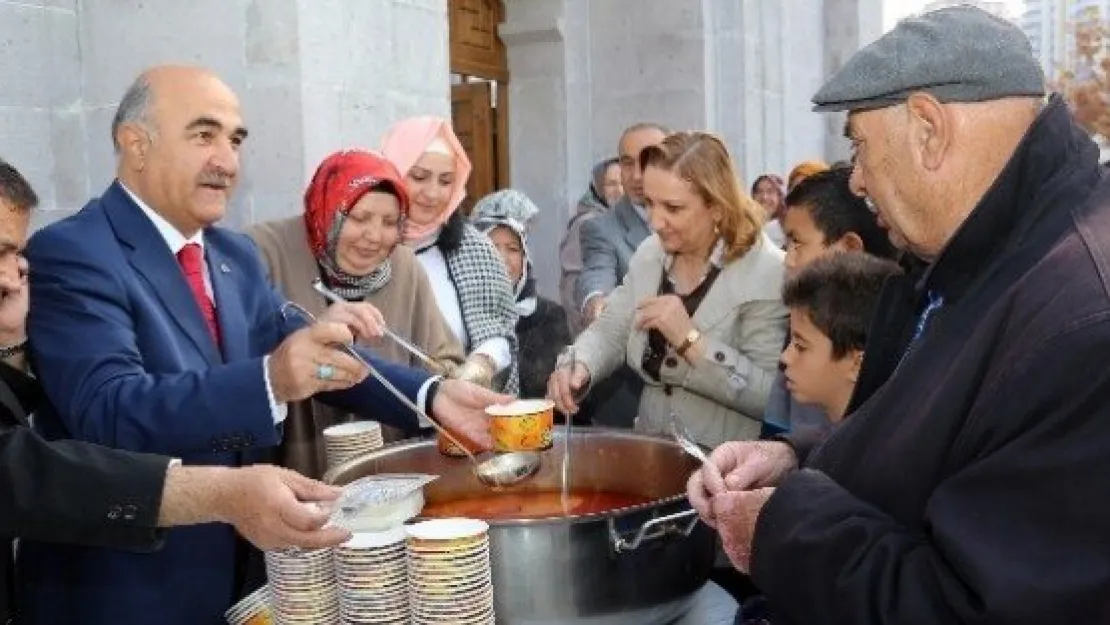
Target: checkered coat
<point>485,297</point>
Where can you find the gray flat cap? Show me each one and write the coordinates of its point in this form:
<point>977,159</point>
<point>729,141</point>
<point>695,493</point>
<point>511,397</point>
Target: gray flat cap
<point>958,54</point>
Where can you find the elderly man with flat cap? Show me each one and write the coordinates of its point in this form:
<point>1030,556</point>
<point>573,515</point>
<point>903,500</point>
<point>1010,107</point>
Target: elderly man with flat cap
<point>969,482</point>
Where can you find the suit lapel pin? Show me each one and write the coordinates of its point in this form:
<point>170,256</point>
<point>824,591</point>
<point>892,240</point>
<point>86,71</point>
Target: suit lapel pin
<point>224,268</point>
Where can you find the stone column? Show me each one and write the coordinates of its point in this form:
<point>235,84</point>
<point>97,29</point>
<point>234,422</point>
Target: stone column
<point>767,63</point>
<point>583,70</point>
<point>849,25</point>
<point>540,114</point>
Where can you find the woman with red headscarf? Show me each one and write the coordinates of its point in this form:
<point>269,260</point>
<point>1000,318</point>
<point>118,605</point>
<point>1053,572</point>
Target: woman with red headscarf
<point>355,210</point>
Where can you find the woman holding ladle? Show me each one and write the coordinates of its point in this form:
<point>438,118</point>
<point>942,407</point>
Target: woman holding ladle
<point>699,315</point>
<point>348,238</point>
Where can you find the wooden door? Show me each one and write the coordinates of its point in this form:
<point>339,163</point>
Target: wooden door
<point>476,48</point>
<point>472,118</point>
<point>479,61</point>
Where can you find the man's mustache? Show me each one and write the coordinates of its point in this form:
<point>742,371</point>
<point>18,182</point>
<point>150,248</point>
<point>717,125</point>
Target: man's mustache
<point>218,179</point>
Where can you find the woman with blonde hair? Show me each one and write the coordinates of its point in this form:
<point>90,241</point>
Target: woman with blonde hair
<point>699,316</point>
<point>471,285</point>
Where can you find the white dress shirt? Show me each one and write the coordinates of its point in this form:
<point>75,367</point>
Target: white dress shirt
<point>176,242</point>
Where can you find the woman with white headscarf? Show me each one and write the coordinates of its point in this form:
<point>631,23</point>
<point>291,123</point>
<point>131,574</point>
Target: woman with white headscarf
<point>542,330</point>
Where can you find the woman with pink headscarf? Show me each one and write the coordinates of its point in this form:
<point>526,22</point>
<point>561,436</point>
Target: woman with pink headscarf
<point>469,279</point>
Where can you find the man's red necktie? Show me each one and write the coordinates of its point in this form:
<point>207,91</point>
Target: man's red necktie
<point>191,258</point>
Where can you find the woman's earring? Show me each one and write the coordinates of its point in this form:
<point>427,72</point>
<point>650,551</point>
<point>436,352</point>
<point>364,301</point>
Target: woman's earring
<point>717,228</point>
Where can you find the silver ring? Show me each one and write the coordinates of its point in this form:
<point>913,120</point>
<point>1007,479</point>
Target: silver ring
<point>325,372</point>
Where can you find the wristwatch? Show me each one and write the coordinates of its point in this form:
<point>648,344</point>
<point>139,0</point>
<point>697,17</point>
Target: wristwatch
<point>691,337</point>
<point>11,350</point>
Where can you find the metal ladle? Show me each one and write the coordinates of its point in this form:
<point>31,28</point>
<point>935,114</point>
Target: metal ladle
<point>333,297</point>
<point>578,398</point>
<point>682,437</point>
<point>501,470</point>
<point>678,431</point>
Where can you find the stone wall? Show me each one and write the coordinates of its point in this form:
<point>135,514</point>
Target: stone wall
<point>42,130</point>
<point>317,75</point>
<point>312,75</point>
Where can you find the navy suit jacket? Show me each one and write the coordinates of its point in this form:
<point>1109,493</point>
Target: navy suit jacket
<point>608,243</point>
<point>126,360</point>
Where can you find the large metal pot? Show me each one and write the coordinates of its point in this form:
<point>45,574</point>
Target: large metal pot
<point>631,565</point>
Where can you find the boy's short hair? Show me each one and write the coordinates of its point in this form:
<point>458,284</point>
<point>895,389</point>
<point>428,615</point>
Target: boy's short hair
<point>836,211</point>
<point>15,190</point>
<point>839,292</point>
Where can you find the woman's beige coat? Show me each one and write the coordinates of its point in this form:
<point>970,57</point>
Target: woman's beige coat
<point>407,303</point>
<point>743,321</point>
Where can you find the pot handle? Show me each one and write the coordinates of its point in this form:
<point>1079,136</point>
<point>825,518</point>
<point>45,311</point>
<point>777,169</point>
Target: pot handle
<point>654,529</point>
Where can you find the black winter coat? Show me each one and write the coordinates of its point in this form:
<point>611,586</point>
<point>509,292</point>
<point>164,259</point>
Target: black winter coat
<point>972,482</point>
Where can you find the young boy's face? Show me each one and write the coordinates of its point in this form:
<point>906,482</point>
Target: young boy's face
<point>806,243</point>
<point>813,375</point>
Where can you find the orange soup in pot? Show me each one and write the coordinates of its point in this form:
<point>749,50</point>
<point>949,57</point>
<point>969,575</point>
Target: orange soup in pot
<point>532,505</point>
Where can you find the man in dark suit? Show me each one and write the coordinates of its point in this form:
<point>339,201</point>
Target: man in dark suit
<point>81,493</point>
<point>155,331</point>
<point>608,242</point>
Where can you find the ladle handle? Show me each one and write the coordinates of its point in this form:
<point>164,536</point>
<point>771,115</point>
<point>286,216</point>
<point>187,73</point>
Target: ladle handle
<point>412,349</point>
<point>353,353</point>
<point>333,297</point>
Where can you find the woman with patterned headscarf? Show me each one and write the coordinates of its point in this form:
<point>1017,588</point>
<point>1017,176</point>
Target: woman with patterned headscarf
<point>542,330</point>
<point>354,211</point>
<point>467,274</point>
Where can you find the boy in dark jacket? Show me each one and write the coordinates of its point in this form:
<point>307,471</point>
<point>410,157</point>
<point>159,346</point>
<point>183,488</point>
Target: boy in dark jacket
<point>831,303</point>
<point>823,217</point>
